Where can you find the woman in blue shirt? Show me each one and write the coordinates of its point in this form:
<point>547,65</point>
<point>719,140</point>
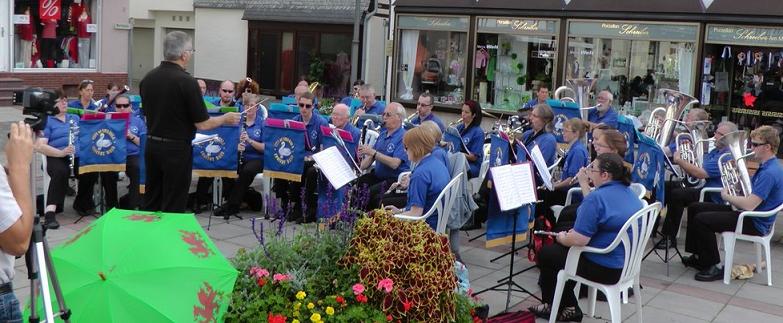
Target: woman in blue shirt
<point>137,129</point>
<point>58,150</point>
<point>472,136</point>
<point>541,133</point>
<point>601,216</point>
<point>577,157</point>
<point>85,101</point>
<point>428,178</point>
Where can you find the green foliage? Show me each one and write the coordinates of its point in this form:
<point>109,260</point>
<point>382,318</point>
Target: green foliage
<point>317,67</point>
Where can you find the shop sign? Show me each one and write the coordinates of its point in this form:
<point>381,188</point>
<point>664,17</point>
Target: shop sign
<point>21,19</point>
<point>739,35</point>
<point>517,26</point>
<point>433,23</point>
<point>766,114</point>
<point>630,30</point>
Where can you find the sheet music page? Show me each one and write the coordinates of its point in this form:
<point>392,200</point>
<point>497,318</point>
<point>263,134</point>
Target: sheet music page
<point>334,167</point>
<point>541,167</point>
<point>200,138</point>
<point>525,184</point>
<point>514,185</point>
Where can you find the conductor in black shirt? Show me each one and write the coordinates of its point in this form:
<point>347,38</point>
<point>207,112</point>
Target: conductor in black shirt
<point>175,109</point>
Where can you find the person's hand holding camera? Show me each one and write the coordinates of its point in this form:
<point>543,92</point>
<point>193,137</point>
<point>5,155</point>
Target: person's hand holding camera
<point>19,149</point>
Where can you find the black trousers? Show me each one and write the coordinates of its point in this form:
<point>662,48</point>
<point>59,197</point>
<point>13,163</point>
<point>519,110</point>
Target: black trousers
<point>247,172</point>
<point>677,198</point>
<point>397,199</point>
<point>369,191</point>
<point>708,219</point>
<point>552,259</point>
<point>59,170</point>
<point>85,189</point>
<point>133,198</point>
<point>550,198</point>
<point>568,213</point>
<point>169,168</point>
<point>204,189</point>
<point>300,195</point>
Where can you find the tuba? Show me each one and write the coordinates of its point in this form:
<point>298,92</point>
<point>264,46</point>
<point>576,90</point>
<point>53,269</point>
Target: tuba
<point>733,171</point>
<point>660,126</point>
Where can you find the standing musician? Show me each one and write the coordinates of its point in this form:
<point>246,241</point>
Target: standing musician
<point>369,104</point>
<point>678,197</point>
<point>290,191</point>
<point>251,146</point>
<point>427,180</point>
<point>85,101</point>
<point>424,112</point>
<point>137,129</point>
<point>576,158</point>
<point>389,156</point>
<point>541,133</point>
<point>472,136</point>
<point>55,145</point>
<point>711,218</point>
<point>603,112</point>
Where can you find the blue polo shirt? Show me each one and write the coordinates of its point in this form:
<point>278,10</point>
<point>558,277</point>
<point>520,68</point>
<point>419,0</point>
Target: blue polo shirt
<point>78,105</point>
<point>255,133</point>
<point>139,129</point>
<point>546,142</point>
<point>216,102</point>
<point>441,154</point>
<point>428,179</point>
<point>767,184</point>
<point>376,108</point>
<point>576,158</point>
<point>710,166</point>
<point>56,131</point>
<point>609,118</point>
<point>356,134</point>
<point>473,138</point>
<point>601,216</point>
<point>391,145</point>
<point>530,104</point>
<point>313,137</point>
<point>109,108</point>
<point>417,121</point>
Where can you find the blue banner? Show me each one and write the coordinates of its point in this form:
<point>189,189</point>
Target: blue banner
<point>500,225</point>
<point>285,149</point>
<point>626,127</point>
<point>330,201</point>
<point>649,169</point>
<point>102,145</point>
<point>282,111</point>
<point>217,157</point>
<point>563,111</point>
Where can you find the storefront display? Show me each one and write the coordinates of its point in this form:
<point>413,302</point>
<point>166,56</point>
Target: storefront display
<point>55,34</point>
<point>633,59</point>
<point>432,56</point>
<point>742,73</point>
<point>512,57</point>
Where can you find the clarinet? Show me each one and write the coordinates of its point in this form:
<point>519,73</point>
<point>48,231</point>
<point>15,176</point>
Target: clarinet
<point>72,131</point>
<point>241,159</point>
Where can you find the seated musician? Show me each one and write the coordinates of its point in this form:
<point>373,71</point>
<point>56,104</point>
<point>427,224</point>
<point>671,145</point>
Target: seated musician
<point>55,145</point>
<point>369,104</point>
<point>291,192</point>
<point>428,179</point>
<point>541,133</point>
<point>136,130</point>
<point>603,112</point>
<point>251,147</point>
<point>424,112</point>
<point>112,89</point>
<point>226,95</point>
<point>601,216</point>
<point>678,197</point>
<point>711,218</point>
<point>696,117</point>
<point>388,154</point>
<point>246,85</point>
<point>85,101</point>
<point>472,135</point>
<point>357,85</point>
<point>575,159</point>
<point>340,116</point>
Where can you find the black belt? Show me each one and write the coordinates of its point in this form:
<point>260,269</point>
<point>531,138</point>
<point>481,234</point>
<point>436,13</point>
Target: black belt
<point>161,139</point>
<point>6,288</point>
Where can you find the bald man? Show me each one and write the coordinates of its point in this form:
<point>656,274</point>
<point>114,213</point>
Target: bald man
<point>340,115</point>
<point>226,95</point>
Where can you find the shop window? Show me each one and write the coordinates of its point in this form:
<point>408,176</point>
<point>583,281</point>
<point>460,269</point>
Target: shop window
<point>336,58</point>
<point>55,37</point>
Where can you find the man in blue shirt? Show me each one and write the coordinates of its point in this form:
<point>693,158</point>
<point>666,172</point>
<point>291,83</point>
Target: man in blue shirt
<point>710,218</point>
<point>340,114</point>
<point>603,112</point>
<point>424,112</point>
<point>389,156</point>
<point>226,95</point>
<point>542,94</point>
<point>369,104</point>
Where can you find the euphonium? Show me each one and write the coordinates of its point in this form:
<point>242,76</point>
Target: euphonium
<point>662,122</point>
<point>692,146</point>
<point>733,170</point>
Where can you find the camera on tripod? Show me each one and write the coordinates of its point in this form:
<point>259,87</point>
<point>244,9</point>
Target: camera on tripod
<point>36,103</point>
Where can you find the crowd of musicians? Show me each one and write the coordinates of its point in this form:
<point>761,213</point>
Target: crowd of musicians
<point>591,158</point>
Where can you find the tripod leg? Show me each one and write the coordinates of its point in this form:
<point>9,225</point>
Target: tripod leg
<point>44,279</point>
<point>32,274</point>
<point>65,312</point>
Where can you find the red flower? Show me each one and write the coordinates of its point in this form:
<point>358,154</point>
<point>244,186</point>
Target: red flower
<point>406,305</point>
<point>388,318</point>
<point>339,299</point>
<point>361,298</point>
<point>261,282</point>
<point>277,318</point>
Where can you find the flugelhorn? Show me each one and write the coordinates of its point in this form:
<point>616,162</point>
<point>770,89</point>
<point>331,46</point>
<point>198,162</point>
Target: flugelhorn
<point>733,170</point>
<point>408,124</point>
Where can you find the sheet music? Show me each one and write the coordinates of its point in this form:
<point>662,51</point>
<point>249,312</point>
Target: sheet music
<point>514,185</point>
<point>334,167</point>
<point>541,167</point>
<point>201,138</point>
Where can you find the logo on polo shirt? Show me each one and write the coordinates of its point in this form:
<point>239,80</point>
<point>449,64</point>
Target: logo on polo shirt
<point>390,148</point>
<point>103,142</point>
<point>284,150</point>
<point>257,133</point>
<point>214,150</point>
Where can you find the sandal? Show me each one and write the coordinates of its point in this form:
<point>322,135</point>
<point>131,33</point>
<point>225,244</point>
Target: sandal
<point>570,314</point>
<point>541,310</point>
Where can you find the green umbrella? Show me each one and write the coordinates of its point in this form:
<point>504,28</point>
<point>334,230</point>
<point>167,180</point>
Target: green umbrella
<point>135,266</point>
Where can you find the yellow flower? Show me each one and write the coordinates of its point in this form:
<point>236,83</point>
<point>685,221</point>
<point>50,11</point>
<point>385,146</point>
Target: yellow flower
<point>329,310</point>
<point>297,305</point>
<point>301,295</point>
<point>310,306</point>
<point>295,321</point>
<point>296,313</point>
<point>315,317</point>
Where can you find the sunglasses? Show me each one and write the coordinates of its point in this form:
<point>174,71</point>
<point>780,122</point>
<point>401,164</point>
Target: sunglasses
<point>306,106</point>
<point>756,144</point>
<point>122,106</point>
<point>227,91</point>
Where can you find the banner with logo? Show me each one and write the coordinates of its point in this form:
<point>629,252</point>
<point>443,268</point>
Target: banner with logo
<point>217,157</point>
<point>649,169</point>
<point>284,150</point>
<point>500,225</point>
<point>102,146</point>
<point>563,111</point>
<point>49,9</point>
<point>454,140</point>
<point>330,201</point>
<point>626,127</point>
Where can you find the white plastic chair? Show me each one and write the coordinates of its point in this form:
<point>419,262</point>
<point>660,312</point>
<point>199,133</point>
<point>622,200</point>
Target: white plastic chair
<point>640,191</point>
<point>442,204</point>
<point>702,195</point>
<point>640,226</point>
<point>730,238</point>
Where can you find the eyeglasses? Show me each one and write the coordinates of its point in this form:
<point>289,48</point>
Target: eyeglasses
<point>306,106</point>
<point>122,106</point>
<point>388,114</point>
<point>756,144</point>
<point>423,105</point>
<point>190,50</point>
<point>227,91</point>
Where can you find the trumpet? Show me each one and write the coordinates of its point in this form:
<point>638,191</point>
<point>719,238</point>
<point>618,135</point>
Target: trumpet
<point>73,131</point>
<point>408,124</point>
<point>733,170</point>
<point>457,122</point>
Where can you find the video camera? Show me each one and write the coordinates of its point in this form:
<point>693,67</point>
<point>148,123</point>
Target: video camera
<point>38,104</point>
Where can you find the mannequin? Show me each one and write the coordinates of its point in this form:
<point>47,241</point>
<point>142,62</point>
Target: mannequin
<point>84,37</point>
<point>26,40</point>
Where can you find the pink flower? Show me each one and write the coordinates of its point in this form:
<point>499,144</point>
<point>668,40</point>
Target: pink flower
<point>386,285</point>
<point>281,277</point>
<point>358,289</point>
<point>259,272</point>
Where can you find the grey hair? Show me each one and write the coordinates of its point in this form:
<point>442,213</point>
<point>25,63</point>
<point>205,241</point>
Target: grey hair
<point>399,109</point>
<point>700,114</point>
<point>731,126</point>
<point>368,87</point>
<point>174,45</point>
<point>611,96</point>
<point>247,97</point>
